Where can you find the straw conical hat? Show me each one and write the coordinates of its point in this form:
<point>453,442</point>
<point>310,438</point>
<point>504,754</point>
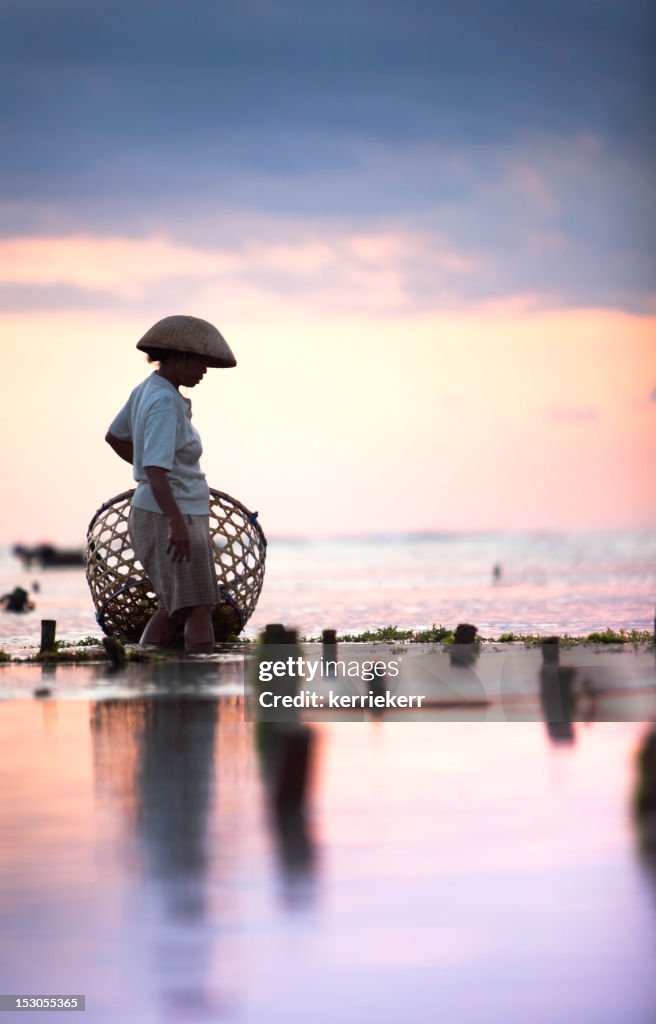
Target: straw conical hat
<point>189,334</point>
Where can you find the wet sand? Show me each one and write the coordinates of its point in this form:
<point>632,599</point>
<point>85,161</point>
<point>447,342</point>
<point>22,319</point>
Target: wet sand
<point>465,871</point>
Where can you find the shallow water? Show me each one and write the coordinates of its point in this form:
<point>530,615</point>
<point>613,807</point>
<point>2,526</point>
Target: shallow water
<point>550,583</point>
<point>504,683</point>
<point>456,871</point>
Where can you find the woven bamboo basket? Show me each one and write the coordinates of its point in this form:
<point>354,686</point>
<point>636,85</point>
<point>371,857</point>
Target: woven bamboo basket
<point>122,593</point>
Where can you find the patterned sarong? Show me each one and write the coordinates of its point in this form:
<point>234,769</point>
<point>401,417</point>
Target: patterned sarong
<point>180,584</point>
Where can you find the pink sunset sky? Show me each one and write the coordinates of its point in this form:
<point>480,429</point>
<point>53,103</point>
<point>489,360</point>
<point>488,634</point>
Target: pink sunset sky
<point>438,326</point>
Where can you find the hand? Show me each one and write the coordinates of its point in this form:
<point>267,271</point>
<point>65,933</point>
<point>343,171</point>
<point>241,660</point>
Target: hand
<point>179,546</point>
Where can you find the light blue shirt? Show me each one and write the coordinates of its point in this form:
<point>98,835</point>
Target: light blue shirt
<point>157,419</point>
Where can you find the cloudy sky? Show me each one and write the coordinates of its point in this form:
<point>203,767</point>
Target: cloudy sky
<point>426,227</point>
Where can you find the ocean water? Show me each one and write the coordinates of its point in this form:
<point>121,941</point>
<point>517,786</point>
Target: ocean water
<point>461,870</point>
<point>573,583</point>
<point>550,583</point>
<point>458,872</point>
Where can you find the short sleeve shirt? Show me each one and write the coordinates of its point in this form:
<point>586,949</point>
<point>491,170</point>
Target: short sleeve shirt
<point>157,420</point>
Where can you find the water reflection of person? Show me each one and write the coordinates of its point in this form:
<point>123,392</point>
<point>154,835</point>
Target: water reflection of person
<point>175,786</point>
<point>165,778</point>
<point>644,806</point>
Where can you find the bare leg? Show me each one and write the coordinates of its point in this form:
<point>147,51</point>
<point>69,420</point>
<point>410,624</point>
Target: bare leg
<point>160,629</point>
<point>198,630</point>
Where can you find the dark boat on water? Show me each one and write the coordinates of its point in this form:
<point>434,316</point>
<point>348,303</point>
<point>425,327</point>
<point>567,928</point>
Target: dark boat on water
<point>47,556</point>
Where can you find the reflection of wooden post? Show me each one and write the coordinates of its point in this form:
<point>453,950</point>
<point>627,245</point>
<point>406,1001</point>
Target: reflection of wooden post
<point>556,696</point>
<point>284,746</point>
<point>293,767</point>
<point>645,797</point>
<point>48,633</point>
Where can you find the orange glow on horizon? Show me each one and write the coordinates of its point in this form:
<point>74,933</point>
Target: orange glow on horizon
<point>350,411</point>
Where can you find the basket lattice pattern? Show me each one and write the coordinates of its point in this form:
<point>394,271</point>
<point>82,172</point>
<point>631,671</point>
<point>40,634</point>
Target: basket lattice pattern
<point>122,593</point>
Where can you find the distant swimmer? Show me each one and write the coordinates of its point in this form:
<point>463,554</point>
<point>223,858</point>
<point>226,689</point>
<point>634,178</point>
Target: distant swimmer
<point>496,572</point>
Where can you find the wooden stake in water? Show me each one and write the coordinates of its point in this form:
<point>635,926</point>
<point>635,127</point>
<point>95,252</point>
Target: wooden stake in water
<point>551,650</point>
<point>48,633</point>
<point>329,637</point>
<point>329,652</point>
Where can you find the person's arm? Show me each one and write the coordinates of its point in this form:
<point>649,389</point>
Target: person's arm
<point>178,533</point>
<point>123,449</point>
